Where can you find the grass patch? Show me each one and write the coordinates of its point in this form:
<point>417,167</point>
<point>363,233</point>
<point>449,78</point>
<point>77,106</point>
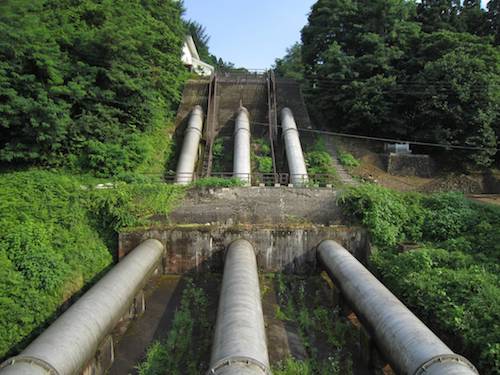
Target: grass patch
<point>319,162</point>
<point>221,154</point>
<point>324,334</point>
<point>261,156</point>
<point>159,149</point>
<point>348,160</point>
<point>180,352</point>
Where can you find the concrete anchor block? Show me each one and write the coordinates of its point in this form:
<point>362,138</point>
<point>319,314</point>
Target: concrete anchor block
<point>277,185</point>
<point>329,186</point>
<point>290,185</point>
<point>262,184</point>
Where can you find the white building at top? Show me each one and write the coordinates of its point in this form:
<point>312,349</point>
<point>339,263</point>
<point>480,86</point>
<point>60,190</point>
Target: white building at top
<point>192,60</point>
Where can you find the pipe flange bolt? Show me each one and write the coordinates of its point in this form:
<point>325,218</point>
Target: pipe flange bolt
<point>226,362</point>
<point>445,358</point>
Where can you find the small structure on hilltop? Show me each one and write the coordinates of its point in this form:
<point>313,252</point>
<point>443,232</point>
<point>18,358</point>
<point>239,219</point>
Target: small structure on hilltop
<point>400,161</point>
<point>191,58</point>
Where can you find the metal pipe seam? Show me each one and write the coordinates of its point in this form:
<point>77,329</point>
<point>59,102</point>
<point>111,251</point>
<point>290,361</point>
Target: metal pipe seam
<point>190,145</point>
<point>409,345</point>
<point>71,342</point>
<point>242,165</point>
<point>434,365</point>
<point>241,130</point>
<point>239,345</point>
<point>293,147</point>
<point>236,361</point>
<point>26,363</point>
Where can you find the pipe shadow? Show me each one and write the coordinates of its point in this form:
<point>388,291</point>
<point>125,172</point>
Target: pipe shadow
<point>168,295</point>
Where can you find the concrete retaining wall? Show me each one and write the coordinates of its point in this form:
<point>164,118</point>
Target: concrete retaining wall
<point>289,249</point>
<point>409,165</point>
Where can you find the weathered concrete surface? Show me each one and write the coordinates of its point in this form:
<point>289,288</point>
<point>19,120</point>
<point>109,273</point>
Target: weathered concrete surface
<point>291,249</point>
<point>258,205</point>
<point>283,338</point>
<point>409,165</point>
<point>162,299</point>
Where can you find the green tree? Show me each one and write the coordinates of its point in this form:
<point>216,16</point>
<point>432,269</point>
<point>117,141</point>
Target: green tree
<point>462,103</point>
<point>494,19</point>
<point>350,50</point>
<point>291,66</point>
<point>372,69</point>
<point>438,15</point>
<point>76,74</point>
<point>473,18</point>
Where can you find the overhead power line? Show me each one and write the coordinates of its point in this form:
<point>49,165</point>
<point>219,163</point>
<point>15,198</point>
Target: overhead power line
<point>393,140</point>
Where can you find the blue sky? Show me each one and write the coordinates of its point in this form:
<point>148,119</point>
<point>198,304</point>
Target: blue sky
<point>251,33</point>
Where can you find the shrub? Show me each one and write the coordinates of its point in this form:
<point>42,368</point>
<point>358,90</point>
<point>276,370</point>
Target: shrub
<point>448,215</point>
<point>263,148</point>
<point>109,159</point>
<point>348,160</point>
<point>219,157</point>
<point>130,205</point>
<point>49,249</point>
<point>320,162</point>
<point>390,216</point>
<point>452,293</point>
<point>265,164</point>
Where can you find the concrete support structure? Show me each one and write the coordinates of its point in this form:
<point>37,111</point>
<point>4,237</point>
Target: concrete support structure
<point>294,154</point>
<point>409,346</point>
<point>70,343</point>
<point>241,163</point>
<point>239,345</point>
<point>189,153</point>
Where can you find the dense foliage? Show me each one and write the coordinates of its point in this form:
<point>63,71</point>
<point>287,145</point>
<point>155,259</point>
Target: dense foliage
<point>348,160</point>
<point>327,338</point>
<point>451,279</point>
<point>428,71</point>
<point>262,161</point>
<point>319,164</point>
<point>58,235</point>
<point>81,81</point>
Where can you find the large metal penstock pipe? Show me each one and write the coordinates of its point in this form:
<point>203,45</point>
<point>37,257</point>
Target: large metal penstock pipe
<point>294,154</point>
<point>68,345</point>
<point>407,343</point>
<point>241,162</point>
<point>189,153</point>
<point>239,345</point>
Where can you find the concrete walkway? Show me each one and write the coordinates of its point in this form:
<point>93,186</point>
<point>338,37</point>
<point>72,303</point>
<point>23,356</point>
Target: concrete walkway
<point>344,177</point>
